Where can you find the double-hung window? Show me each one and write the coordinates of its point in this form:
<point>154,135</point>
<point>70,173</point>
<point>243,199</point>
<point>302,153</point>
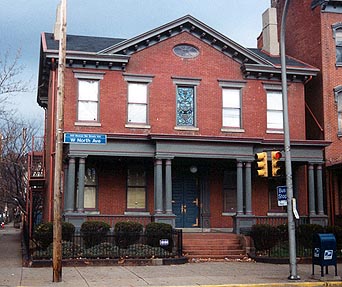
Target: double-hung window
<point>137,103</point>
<point>337,32</point>
<point>136,189</point>
<point>137,100</point>
<point>274,109</point>
<point>338,100</point>
<point>88,107</point>
<point>231,105</point>
<point>90,187</point>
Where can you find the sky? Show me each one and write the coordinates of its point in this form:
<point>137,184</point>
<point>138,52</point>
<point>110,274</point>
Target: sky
<point>22,21</point>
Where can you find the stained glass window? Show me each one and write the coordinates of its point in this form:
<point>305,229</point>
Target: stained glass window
<point>185,106</point>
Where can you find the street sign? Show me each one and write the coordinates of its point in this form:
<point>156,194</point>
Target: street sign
<point>282,195</point>
<point>85,138</point>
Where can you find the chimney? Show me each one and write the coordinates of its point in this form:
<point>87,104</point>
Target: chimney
<point>270,42</point>
<point>57,27</point>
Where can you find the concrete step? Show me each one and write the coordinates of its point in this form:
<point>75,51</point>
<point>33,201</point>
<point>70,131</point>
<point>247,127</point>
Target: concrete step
<point>212,245</point>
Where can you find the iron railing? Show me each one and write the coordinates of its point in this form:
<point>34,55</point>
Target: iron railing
<point>111,246</point>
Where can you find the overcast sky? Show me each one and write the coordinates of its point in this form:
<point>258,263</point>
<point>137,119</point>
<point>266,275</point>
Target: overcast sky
<point>22,21</point>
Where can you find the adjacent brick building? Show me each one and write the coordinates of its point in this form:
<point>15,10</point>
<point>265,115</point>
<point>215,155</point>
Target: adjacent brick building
<point>315,37</point>
<point>179,113</point>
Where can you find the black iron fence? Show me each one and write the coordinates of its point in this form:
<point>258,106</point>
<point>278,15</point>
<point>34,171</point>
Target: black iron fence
<point>112,246</point>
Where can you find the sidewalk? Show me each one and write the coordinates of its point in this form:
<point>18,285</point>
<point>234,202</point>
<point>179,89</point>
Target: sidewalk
<point>190,274</point>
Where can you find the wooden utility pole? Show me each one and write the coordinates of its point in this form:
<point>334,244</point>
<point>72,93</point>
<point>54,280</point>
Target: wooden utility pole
<point>57,218</point>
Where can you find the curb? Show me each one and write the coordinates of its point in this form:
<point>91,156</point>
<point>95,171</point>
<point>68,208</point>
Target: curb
<point>289,284</point>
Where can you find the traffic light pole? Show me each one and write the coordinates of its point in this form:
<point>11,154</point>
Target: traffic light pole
<point>287,148</point>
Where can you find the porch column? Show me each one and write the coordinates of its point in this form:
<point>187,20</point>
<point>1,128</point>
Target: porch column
<point>239,183</point>
<point>248,184</point>
<point>70,190</point>
<point>80,192</point>
<point>312,208</point>
<point>158,186</point>
<point>320,204</point>
<point>168,187</point>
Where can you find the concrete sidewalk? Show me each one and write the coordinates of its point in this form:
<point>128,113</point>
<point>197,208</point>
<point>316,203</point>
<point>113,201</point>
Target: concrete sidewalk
<point>190,274</point>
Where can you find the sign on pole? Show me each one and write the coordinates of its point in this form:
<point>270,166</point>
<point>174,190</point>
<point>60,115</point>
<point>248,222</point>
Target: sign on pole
<point>282,195</point>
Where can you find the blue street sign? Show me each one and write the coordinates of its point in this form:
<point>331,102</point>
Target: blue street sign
<point>85,138</point>
<point>282,195</point>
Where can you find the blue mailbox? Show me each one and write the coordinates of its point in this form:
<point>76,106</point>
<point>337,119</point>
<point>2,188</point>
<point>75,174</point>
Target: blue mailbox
<point>324,251</point>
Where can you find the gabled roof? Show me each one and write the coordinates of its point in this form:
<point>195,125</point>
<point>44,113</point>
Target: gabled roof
<point>115,53</point>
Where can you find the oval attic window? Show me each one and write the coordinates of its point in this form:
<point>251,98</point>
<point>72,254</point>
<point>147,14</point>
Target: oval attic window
<point>186,51</point>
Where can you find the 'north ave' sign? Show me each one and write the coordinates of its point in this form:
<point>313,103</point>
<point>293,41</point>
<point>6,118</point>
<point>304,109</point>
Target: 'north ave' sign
<point>85,138</point>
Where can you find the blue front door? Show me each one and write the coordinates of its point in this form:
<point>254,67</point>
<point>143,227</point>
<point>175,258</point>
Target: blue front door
<point>185,198</point>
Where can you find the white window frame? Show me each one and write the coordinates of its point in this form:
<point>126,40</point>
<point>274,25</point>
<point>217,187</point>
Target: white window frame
<point>137,101</point>
<point>91,99</point>
<point>337,35</point>
<point>231,89</point>
<point>275,110</point>
<point>338,101</point>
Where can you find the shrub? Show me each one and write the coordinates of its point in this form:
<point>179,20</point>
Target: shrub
<point>305,234</point>
<point>43,233</point>
<point>94,232</point>
<point>264,236</point>
<point>127,233</point>
<point>155,231</point>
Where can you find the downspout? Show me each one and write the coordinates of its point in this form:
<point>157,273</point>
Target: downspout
<point>52,139</point>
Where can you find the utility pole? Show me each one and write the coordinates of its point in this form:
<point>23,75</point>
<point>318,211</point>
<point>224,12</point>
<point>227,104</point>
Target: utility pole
<point>291,224</point>
<point>57,218</point>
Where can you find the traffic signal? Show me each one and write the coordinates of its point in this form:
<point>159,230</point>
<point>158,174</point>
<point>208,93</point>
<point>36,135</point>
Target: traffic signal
<point>276,167</point>
<point>261,159</point>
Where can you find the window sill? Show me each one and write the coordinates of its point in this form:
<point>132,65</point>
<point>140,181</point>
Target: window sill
<point>228,213</point>
<point>137,126</point>
<point>92,212</point>
<point>232,130</point>
<point>137,213</point>
<point>180,128</point>
<point>88,124</point>
<point>275,131</point>
<point>277,214</point>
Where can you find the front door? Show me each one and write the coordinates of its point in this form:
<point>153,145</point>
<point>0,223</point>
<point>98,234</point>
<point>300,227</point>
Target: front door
<point>185,199</point>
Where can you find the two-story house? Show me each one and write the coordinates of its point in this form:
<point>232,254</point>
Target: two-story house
<point>165,126</point>
<point>315,37</point>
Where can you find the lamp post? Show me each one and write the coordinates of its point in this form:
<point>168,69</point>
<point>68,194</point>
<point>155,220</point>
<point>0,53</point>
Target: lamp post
<point>287,148</point>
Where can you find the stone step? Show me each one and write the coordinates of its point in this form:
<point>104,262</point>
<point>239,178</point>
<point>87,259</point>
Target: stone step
<point>212,245</point>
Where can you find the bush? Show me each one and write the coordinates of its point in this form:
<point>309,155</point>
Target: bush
<point>94,232</point>
<point>305,234</point>
<point>127,233</point>
<point>264,236</point>
<point>156,231</point>
<point>43,233</point>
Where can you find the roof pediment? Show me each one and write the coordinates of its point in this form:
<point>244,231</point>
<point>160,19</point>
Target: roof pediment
<point>194,27</point>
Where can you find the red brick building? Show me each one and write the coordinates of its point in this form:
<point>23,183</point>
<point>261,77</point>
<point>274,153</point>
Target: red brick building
<point>164,127</point>
<point>315,37</point>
